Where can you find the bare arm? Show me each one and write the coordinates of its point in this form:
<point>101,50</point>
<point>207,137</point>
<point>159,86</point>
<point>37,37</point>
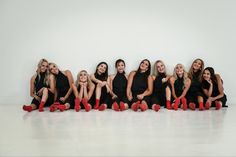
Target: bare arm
<point>208,92</point>
<point>81,92</point>
<point>71,80</point>
<point>130,82</point>
<point>172,82</point>
<point>166,79</point>
<point>110,87</point>
<point>52,83</point>
<point>75,91</point>
<point>94,79</point>
<point>91,89</point>
<point>220,88</point>
<point>186,88</point>
<point>55,95</point>
<point>32,87</point>
<point>111,81</point>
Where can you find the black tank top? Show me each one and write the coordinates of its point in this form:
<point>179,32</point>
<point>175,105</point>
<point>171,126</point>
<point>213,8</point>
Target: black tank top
<point>195,83</point>
<point>39,81</point>
<point>158,86</point>
<point>62,83</point>
<point>140,83</point>
<point>179,86</point>
<point>119,84</point>
<point>215,90</point>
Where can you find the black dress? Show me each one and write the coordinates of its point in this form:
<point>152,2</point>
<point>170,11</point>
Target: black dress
<point>62,87</point>
<point>39,83</point>
<point>139,86</point>
<point>179,87</point>
<point>105,96</point>
<point>195,89</point>
<point>119,85</point>
<point>215,92</point>
<point>159,90</point>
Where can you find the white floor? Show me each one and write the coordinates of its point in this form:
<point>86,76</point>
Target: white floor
<point>110,133</point>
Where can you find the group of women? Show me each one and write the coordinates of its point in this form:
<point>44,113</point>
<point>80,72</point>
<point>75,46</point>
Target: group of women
<point>198,88</point>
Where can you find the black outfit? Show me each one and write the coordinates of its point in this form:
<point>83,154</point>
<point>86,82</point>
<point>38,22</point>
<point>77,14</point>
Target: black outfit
<point>139,85</point>
<point>159,90</point>
<point>179,87</point>
<point>105,96</point>
<point>215,92</point>
<point>39,84</point>
<point>62,86</point>
<point>195,89</point>
<point>119,85</point>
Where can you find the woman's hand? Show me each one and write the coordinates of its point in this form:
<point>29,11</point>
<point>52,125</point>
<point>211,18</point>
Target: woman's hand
<point>114,96</point>
<point>140,96</point>
<point>130,97</point>
<point>37,97</point>
<point>40,92</point>
<point>62,99</point>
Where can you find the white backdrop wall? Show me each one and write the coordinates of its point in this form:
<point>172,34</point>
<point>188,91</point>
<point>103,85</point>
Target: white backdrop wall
<point>78,34</point>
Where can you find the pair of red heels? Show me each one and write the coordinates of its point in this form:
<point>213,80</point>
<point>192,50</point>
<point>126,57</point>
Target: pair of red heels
<point>84,101</point>
<point>120,107</point>
<point>177,102</point>
<point>218,106</point>
<point>135,106</point>
<point>56,106</point>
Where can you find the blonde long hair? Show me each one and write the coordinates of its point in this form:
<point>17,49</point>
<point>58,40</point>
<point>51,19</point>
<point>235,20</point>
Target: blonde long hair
<point>88,79</point>
<point>46,78</point>
<point>185,74</point>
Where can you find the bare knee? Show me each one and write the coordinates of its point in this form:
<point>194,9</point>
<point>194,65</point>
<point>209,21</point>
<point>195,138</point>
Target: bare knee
<point>45,91</point>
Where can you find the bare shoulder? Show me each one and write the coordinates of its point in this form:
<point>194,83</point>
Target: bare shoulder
<point>67,72</point>
<point>132,73</point>
<point>34,77</point>
<point>188,80</point>
<point>51,76</point>
<point>112,76</point>
<point>153,77</point>
<point>218,76</point>
<point>172,79</point>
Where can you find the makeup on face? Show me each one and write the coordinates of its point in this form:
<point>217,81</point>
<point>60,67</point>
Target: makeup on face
<point>102,68</point>
<point>120,67</point>
<point>83,77</point>
<point>160,67</point>
<point>179,70</point>
<point>43,66</point>
<point>206,75</point>
<point>53,69</point>
<point>144,65</point>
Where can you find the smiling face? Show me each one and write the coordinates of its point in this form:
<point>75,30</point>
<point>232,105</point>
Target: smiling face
<point>120,67</point>
<point>197,65</point>
<point>83,76</point>
<point>144,66</point>
<point>102,68</point>
<point>43,67</point>
<point>179,70</point>
<point>53,69</point>
<point>160,67</point>
<point>206,75</point>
